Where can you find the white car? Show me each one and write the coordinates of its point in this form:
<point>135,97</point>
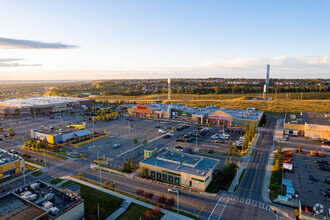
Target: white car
<point>171,133</point>
<point>174,190</point>
<point>215,136</point>
<point>241,138</point>
<point>116,145</point>
<point>162,131</point>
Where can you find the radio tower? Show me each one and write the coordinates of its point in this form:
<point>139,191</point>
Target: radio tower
<point>267,83</point>
<point>169,88</point>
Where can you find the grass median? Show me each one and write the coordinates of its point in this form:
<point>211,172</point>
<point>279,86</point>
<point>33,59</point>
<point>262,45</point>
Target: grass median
<point>136,212</point>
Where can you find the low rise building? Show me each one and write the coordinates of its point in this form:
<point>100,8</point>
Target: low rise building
<point>42,201</point>
<point>61,134</point>
<point>315,126</point>
<point>10,165</point>
<point>180,168</point>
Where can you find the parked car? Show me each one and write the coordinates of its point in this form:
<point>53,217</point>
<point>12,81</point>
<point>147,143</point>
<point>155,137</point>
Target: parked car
<point>190,151</point>
<point>326,193</point>
<point>174,190</point>
<point>321,162</point>
<point>12,151</point>
<point>116,145</point>
<point>226,134</point>
<point>215,136</point>
<point>171,133</point>
<point>321,167</point>
<point>180,140</point>
<point>178,147</point>
<point>157,126</point>
<point>179,129</point>
<point>210,151</point>
<point>190,140</point>
<point>221,141</point>
<point>167,136</point>
<point>187,136</point>
<point>326,181</point>
<point>162,131</point>
<point>223,137</point>
<point>326,142</point>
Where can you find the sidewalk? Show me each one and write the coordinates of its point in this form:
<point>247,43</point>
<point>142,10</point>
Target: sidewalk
<point>168,214</point>
<point>280,209</point>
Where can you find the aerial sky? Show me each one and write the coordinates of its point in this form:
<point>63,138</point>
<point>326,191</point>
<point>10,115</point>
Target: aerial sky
<point>113,39</point>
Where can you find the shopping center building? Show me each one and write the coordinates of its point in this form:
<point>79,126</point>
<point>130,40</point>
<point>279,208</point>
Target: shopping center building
<point>180,168</point>
<point>10,165</point>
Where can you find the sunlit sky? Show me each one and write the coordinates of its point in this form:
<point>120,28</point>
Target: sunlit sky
<point>111,39</point>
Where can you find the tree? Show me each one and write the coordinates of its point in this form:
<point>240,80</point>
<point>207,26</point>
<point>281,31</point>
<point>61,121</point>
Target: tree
<point>148,215</point>
<point>230,161</point>
<point>113,184</point>
<point>161,199</point>
<point>165,128</point>
<point>145,141</point>
<point>132,164</point>
<point>144,171</point>
<point>135,140</point>
<point>230,147</point>
<point>94,118</point>
<point>80,174</point>
<point>106,183</point>
<point>226,162</point>
<point>245,144</point>
<point>157,211</point>
<point>105,131</point>
<point>124,166</point>
<point>139,192</point>
<point>170,202</point>
<point>10,129</point>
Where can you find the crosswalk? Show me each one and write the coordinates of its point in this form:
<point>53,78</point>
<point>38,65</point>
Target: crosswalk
<point>219,208</point>
<point>250,202</point>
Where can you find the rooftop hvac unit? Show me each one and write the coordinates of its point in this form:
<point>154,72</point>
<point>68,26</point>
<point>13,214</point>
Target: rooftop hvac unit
<point>47,205</point>
<point>34,186</point>
<point>54,210</point>
<point>293,117</point>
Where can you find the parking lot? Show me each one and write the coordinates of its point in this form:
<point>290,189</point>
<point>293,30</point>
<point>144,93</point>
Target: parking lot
<point>307,178</point>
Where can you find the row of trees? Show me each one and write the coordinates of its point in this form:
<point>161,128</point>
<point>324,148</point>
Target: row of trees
<point>32,145</point>
<point>128,166</point>
<point>162,199</point>
<point>250,132</point>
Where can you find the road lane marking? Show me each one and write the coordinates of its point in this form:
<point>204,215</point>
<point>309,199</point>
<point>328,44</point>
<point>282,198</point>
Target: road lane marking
<point>200,211</point>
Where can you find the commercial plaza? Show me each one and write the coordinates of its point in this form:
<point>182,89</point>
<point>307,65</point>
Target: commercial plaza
<point>208,115</point>
<point>180,168</point>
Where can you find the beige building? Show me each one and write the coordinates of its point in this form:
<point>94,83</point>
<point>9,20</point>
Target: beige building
<point>180,168</point>
<point>315,126</point>
<point>10,164</point>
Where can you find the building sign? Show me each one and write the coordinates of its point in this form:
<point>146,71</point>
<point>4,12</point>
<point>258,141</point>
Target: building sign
<point>147,153</point>
<point>220,116</point>
<point>184,114</point>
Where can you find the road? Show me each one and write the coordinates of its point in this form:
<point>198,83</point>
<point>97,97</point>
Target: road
<point>247,201</point>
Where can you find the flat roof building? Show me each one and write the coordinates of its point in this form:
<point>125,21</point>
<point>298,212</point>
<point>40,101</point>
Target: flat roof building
<point>41,104</point>
<point>181,168</point>
<point>43,198</point>
<point>60,134</point>
<point>10,164</point>
<point>311,125</point>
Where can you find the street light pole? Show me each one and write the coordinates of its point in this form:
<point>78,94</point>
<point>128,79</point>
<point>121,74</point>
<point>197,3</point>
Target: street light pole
<point>129,128</point>
<point>178,203</point>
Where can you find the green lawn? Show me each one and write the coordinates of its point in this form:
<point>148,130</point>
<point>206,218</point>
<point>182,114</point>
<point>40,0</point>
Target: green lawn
<point>55,181</point>
<point>37,173</point>
<point>108,203</point>
<point>135,212</point>
<point>223,181</point>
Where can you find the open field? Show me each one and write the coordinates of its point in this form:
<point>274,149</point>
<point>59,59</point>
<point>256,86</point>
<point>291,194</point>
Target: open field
<point>317,101</point>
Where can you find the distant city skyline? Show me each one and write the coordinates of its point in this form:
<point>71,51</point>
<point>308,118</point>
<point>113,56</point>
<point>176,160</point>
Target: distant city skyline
<point>89,40</point>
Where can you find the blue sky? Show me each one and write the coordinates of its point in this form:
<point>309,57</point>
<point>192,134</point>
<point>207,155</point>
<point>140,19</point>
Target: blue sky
<point>158,38</point>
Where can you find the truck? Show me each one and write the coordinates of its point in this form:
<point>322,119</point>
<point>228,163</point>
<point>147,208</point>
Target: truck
<point>317,153</point>
<point>288,167</point>
<point>287,153</point>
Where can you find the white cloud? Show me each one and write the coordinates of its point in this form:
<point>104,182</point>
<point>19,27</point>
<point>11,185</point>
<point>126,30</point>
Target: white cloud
<point>8,43</point>
<point>12,62</point>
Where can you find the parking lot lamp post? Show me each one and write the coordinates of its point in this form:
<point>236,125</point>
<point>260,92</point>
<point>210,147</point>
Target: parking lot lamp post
<point>129,128</point>
<point>178,202</point>
<point>196,143</point>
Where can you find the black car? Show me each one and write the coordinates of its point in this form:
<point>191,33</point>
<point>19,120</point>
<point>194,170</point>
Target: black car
<point>210,151</point>
<point>179,129</point>
<point>190,151</point>
<point>187,136</point>
<point>167,136</point>
<point>180,140</point>
<point>326,142</point>
<point>157,126</point>
<point>190,140</point>
<point>178,147</point>
<point>322,162</point>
